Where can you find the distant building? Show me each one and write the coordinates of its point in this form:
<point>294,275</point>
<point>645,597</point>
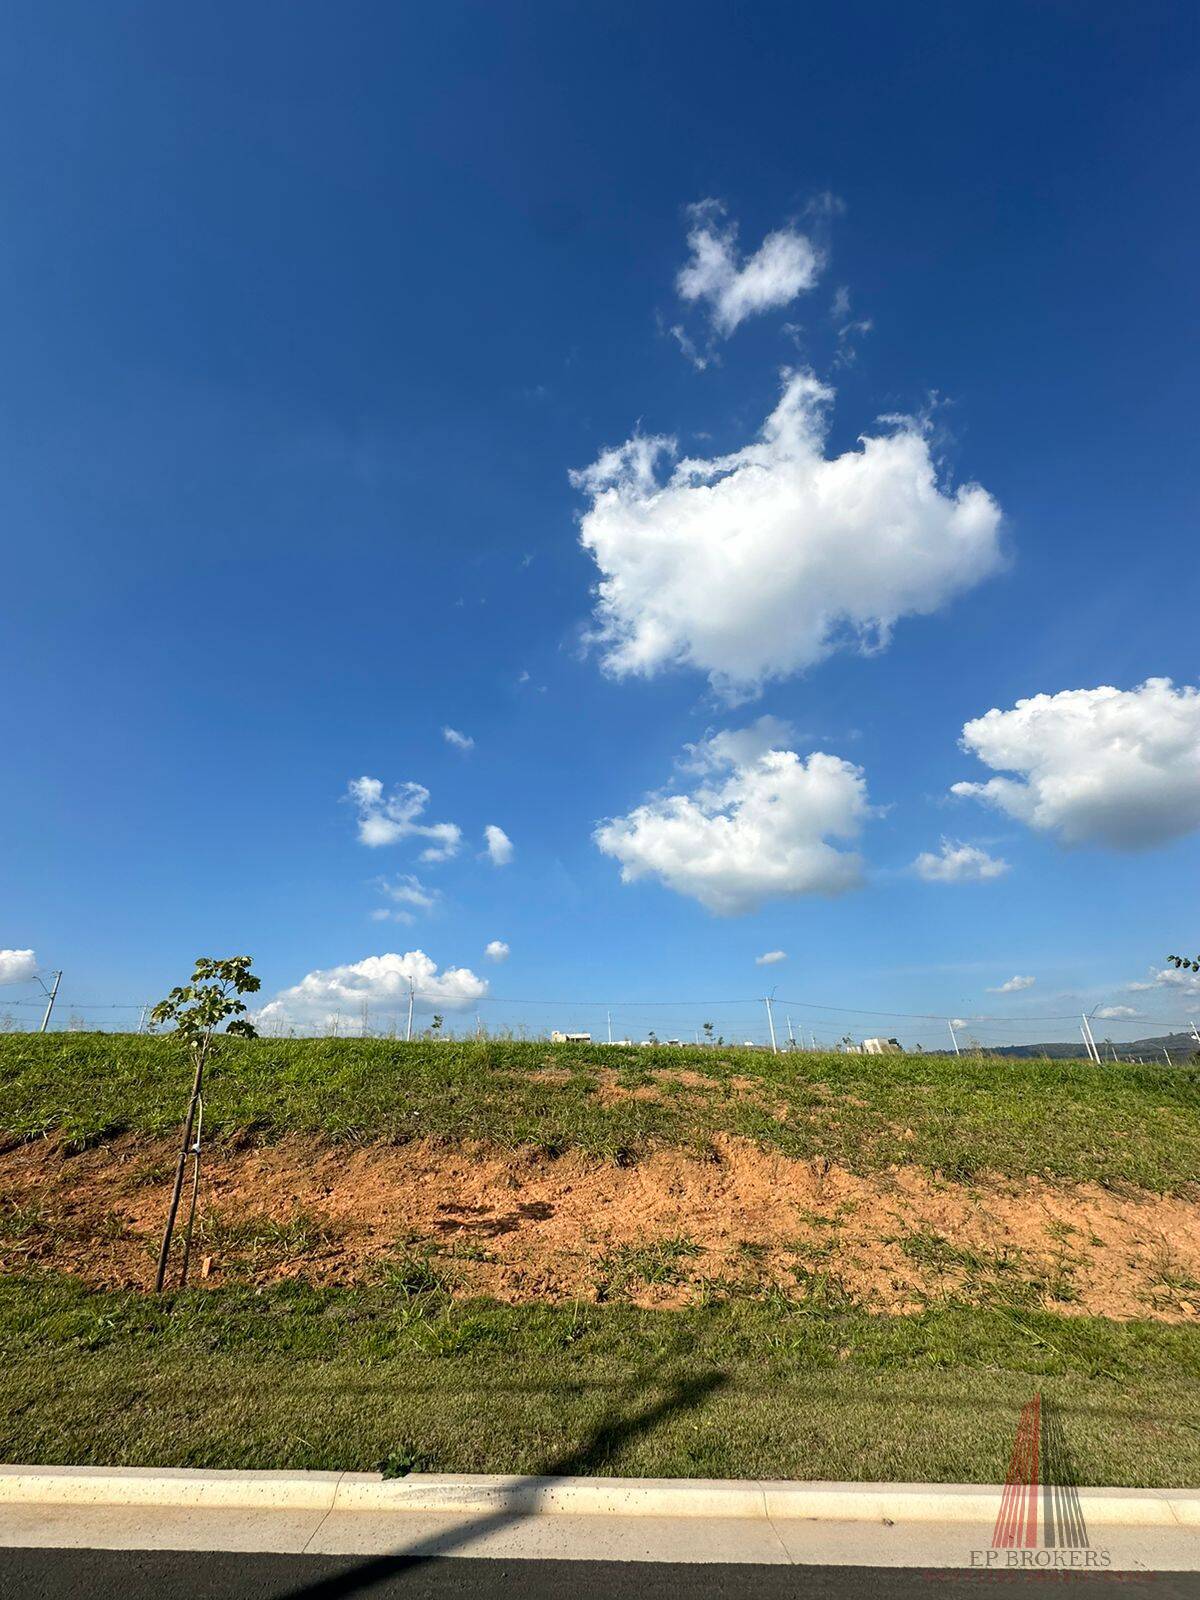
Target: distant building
<point>570,1038</point>
<point>882,1047</point>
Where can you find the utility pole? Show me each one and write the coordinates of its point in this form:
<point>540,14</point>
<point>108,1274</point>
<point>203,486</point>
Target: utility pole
<point>791,1035</point>
<point>953,1039</point>
<point>610,1027</point>
<point>408,1034</point>
<point>1093,1053</point>
<point>771,1022</point>
<point>51,993</point>
<point>142,1019</point>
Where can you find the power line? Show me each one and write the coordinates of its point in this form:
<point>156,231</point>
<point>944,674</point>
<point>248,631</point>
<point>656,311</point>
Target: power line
<point>750,1003</point>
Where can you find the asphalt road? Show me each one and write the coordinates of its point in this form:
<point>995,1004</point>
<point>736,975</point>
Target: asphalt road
<point>167,1574</point>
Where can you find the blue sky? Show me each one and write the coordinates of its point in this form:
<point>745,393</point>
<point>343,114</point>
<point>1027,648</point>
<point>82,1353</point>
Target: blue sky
<point>308,315</point>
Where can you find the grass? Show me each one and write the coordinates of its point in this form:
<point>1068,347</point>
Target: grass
<point>631,1266</point>
<point>400,1375</point>
<point>993,1277</point>
<point>1112,1123</point>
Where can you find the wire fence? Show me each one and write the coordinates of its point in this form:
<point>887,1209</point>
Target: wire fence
<point>751,1021</point>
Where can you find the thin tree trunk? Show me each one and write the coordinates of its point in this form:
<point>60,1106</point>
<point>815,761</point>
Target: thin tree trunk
<point>187,1232</point>
<point>165,1251</point>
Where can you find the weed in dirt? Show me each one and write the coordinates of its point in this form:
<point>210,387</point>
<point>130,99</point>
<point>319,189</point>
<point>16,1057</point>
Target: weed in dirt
<point>631,1265</point>
<point>412,1274</point>
<point>1003,1277</point>
<point>818,1219</point>
<point>822,1290</point>
<point>24,1221</point>
<point>812,1249</point>
<point>1171,1282</point>
<point>244,1245</point>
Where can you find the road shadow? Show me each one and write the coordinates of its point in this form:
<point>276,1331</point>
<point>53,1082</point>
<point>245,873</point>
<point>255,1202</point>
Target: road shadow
<point>624,1423</point>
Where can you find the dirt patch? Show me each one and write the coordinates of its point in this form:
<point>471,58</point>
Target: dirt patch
<point>660,1232</point>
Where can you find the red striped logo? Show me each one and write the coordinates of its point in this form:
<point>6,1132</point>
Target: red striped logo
<point>1040,1505</point>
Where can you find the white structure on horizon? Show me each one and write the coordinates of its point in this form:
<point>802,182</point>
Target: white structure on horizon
<point>882,1047</point>
<point>570,1038</point>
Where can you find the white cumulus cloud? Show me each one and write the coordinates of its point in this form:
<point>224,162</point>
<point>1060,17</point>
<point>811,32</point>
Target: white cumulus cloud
<point>497,950</point>
<point>1170,978</point>
<point>1095,766</point>
<point>381,982</point>
<point>387,818</point>
<point>756,565</point>
<point>735,286</point>
<point>1013,986</point>
<point>958,863</point>
<point>17,966</point>
<point>770,957</point>
<point>759,829</point>
<point>499,845</point>
<point>1116,1013</point>
<point>460,741</point>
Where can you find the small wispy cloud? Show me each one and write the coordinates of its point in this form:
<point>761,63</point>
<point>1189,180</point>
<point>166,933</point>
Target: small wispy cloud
<point>497,950</point>
<point>408,896</point>
<point>1013,986</point>
<point>460,741</point>
<point>770,957</point>
<point>958,863</point>
<point>735,286</point>
<point>499,846</point>
<point>700,359</point>
<point>848,328</point>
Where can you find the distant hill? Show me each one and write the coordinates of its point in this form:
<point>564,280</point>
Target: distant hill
<point>1180,1047</point>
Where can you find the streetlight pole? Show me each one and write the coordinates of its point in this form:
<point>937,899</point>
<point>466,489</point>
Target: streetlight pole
<point>771,1021</point>
<point>51,995</point>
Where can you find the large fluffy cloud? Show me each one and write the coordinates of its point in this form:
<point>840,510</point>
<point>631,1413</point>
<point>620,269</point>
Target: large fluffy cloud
<point>755,565</point>
<point>387,818</point>
<point>1096,766</point>
<point>758,830</point>
<point>736,287</point>
<point>17,966</point>
<point>958,863</point>
<point>382,983</point>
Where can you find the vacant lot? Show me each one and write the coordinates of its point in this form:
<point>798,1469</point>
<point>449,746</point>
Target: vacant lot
<point>496,1256</point>
<point>670,1228</point>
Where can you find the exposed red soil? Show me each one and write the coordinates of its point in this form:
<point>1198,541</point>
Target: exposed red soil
<point>523,1226</point>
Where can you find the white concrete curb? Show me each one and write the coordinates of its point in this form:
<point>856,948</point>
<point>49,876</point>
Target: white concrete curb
<point>471,1494</point>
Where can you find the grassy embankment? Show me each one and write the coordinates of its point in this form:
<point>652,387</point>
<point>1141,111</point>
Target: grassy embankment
<point>399,1371</point>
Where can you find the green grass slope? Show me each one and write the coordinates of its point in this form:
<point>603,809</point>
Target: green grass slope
<point>1110,1123</point>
